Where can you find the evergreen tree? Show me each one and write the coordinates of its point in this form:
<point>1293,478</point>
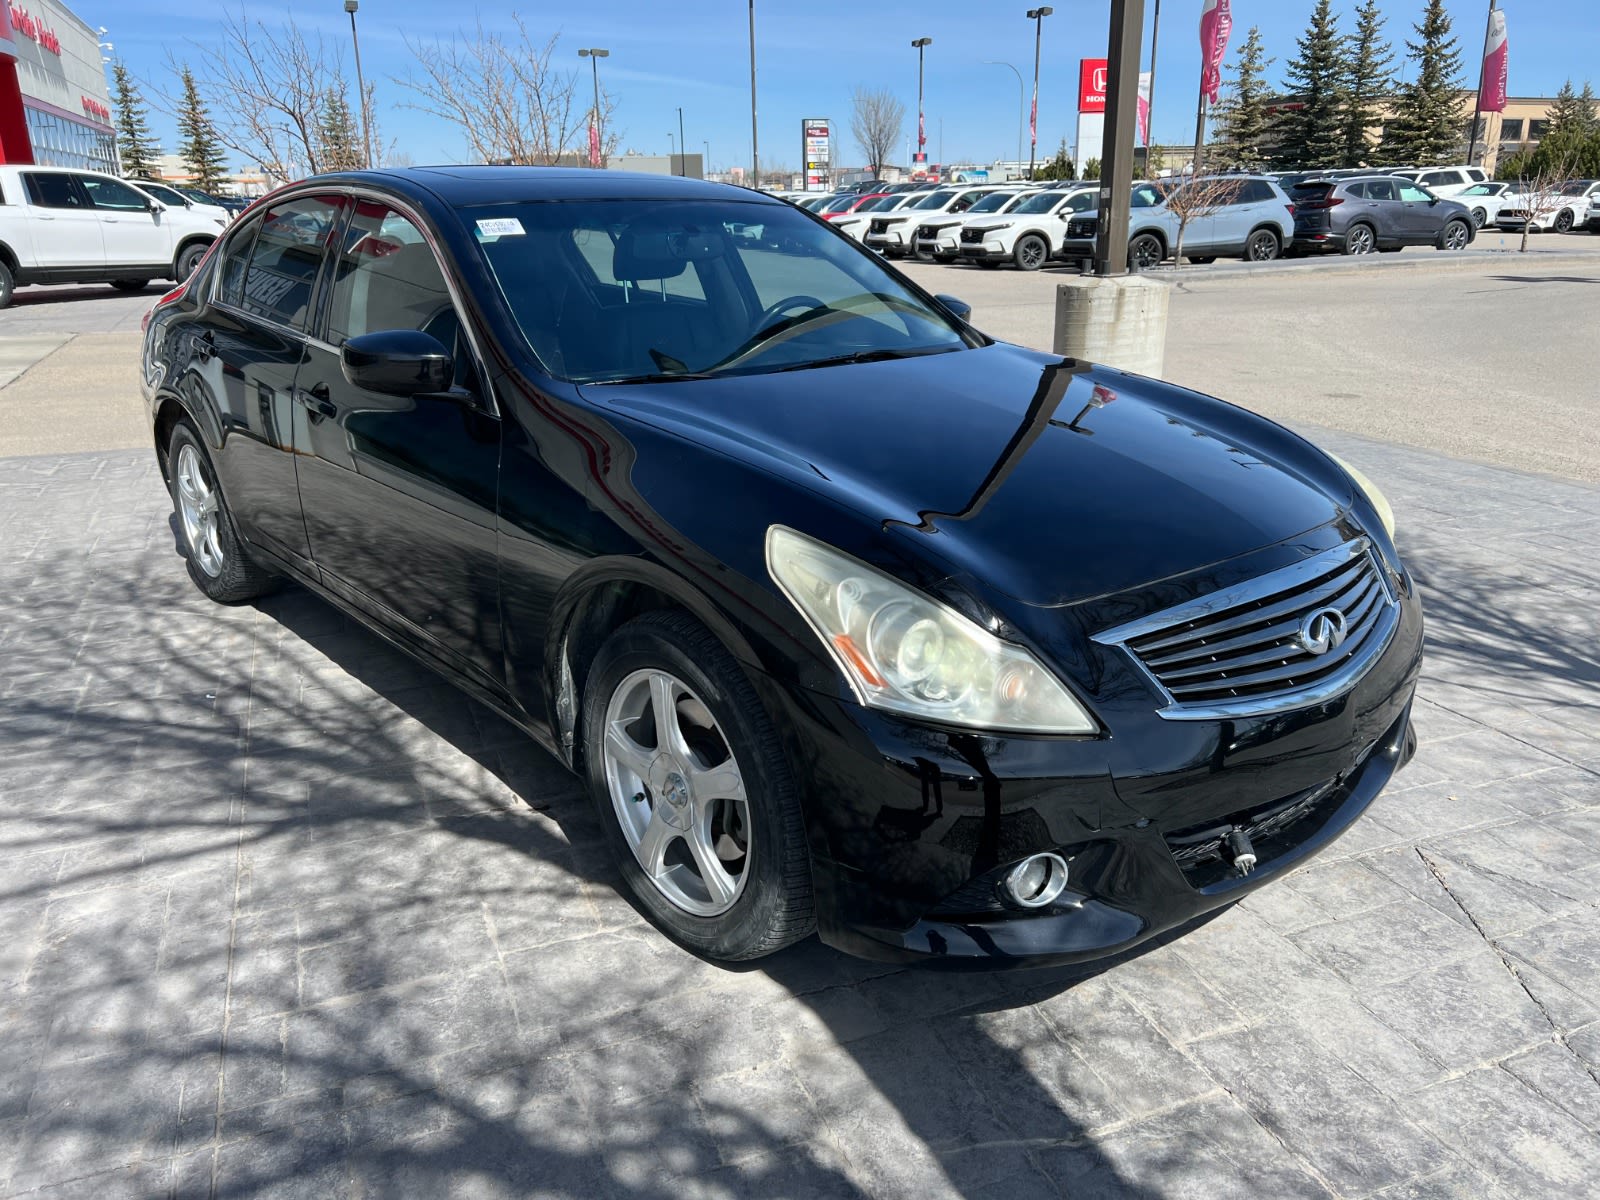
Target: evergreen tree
<point>1591,109</point>
<point>337,133</point>
<point>1242,118</point>
<point>135,143</point>
<point>1091,169</point>
<point>1369,77</point>
<point>1572,112</point>
<point>200,151</point>
<point>1426,129</point>
<point>1312,134</point>
<point>1059,167</point>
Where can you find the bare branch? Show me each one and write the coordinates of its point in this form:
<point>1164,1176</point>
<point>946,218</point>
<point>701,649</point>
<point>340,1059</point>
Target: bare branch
<point>876,119</point>
<point>1199,198</point>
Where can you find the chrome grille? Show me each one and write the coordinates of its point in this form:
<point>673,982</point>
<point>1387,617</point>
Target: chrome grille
<point>1251,649</point>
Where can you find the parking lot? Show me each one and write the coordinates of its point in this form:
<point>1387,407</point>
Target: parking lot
<point>282,914</point>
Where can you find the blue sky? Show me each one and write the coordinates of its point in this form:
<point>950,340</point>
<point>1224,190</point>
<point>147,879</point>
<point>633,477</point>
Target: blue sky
<point>812,53</point>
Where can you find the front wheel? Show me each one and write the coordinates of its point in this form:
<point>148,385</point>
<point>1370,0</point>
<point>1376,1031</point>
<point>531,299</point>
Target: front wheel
<point>1456,235</point>
<point>188,259</point>
<point>1030,253</point>
<point>1145,252</point>
<point>130,285</point>
<point>218,562</point>
<point>1263,246</point>
<point>1480,217</point>
<point>689,780</point>
<point>1564,220</point>
<point>7,284</point>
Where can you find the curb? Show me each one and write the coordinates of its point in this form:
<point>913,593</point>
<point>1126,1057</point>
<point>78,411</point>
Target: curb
<point>1435,260</point>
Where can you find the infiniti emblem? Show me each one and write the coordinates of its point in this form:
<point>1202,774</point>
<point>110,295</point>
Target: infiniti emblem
<point>1322,631</point>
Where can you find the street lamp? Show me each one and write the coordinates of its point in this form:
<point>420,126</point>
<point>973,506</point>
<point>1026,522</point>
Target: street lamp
<point>596,149</point>
<point>1037,16</point>
<point>683,146</point>
<point>705,167</point>
<point>991,62</point>
<point>922,134</point>
<point>755,155</point>
<point>351,6</point>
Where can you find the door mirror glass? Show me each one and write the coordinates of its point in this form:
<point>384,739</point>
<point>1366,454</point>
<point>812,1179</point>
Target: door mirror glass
<point>960,309</point>
<point>397,362</point>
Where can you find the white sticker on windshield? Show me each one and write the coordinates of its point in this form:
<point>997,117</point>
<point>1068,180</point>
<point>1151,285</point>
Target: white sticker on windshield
<point>500,227</point>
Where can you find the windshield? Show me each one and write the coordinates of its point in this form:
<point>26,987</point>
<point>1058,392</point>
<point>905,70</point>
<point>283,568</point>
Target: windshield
<point>1482,189</point>
<point>164,194</point>
<point>877,203</point>
<point>609,291</point>
<point>934,200</point>
<point>1575,189</point>
<point>839,204</point>
<point>1043,202</point>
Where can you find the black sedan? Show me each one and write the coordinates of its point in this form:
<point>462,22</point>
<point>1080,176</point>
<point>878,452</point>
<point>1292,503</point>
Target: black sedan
<point>852,618</point>
<point>1376,213</point>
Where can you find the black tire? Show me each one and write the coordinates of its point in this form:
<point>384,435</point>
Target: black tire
<point>1262,246</point>
<point>130,285</point>
<point>7,285</point>
<point>188,259</point>
<point>1455,231</point>
<point>774,908</point>
<point>945,256</point>
<point>922,255</point>
<point>1360,238</point>
<point>1145,252</point>
<point>1564,221</point>
<point>1480,217</point>
<point>239,577</point>
<point>1030,253</point>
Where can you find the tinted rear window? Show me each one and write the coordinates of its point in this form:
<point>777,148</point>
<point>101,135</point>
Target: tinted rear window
<point>1312,191</point>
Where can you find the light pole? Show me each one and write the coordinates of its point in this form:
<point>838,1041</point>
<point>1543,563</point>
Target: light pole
<point>597,150</point>
<point>1150,106</point>
<point>350,6</point>
<point>755,155</point>
<point>705,166</point>
<point>922,133</point>
<point>683,146</point>
<point>1037,16</point>
<point>990,62</point>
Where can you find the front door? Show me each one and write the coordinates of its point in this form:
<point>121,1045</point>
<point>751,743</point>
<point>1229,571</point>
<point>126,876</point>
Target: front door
<point>64,226</point>
<point>1419,214</point>
<point>253,345</point>
<point>399,492</point>
<point>134,235</point>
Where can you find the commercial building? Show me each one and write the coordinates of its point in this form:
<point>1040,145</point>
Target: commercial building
<point>54,105</point>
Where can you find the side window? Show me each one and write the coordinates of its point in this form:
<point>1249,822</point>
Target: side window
<point>281,273</point>
<point>1412,193</point>
<point>1437,179</point>
<point>1380,189</point>
<point>1257,191</point>
<point>1476,174</point>
<point>112,195</point>
<point>235,258</point>
<point>386,277</point>
<point>52,190</point>
<point>1357,191</point>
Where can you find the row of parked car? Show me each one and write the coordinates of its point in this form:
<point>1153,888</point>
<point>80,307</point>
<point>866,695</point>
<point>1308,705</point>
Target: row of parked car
<point>1254,217</point>
<point>68,226</point>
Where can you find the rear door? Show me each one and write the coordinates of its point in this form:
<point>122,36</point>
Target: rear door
<point>250,351</point>
<point>64,225</point>
<point>400,491</point>
<point>134,235</point>
<point>1384,210</point>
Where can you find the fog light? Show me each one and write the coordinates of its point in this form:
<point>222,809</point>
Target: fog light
<point>1037,881</point>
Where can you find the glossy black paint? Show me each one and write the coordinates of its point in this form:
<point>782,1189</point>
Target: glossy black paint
<point>501,527</point>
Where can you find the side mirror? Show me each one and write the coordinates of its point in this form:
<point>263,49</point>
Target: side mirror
<point>154,206</point>
<point>959,309</point>
<point>397,362</point>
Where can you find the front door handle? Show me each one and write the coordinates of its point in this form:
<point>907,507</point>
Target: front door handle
<point>319,400</point>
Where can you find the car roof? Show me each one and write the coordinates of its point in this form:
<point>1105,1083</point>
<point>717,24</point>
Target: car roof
<point>466,185</point>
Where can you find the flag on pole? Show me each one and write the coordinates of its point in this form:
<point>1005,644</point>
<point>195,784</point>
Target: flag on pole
<point>1496,64</point>
<point>1144,107</point>
<point>594,143</point>
<point>922,132</point>
<point>1216,23</point>
<point>1033,118</point>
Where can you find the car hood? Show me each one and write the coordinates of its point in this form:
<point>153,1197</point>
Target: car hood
<point>1048,480</point>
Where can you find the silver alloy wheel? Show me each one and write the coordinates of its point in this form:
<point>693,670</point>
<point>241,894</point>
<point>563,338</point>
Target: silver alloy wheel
<point>199,510</point>
<point>1480,217</point>
<point>1455,236</point>
<point>1360,240</point>
<point>677,792</point>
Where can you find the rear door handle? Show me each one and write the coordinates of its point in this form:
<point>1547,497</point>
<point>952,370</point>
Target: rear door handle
<point>205,346</point>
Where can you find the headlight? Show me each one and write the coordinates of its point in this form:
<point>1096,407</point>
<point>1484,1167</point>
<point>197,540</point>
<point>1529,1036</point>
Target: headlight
<point>1374,497</point>
<point>906,652</point>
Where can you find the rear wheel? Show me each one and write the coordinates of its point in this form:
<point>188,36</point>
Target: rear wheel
<point>130,285</point>
<point>7,284</point>
<point>1359,239</point>
<point>689,780</point>
<point>1456,235</point>
<point>1263,246</point>
<point>218,561</point>
<point>1030,252</point>
<point>1145,252</point>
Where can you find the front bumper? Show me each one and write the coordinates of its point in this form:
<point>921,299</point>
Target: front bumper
<point>978,252</point>
<point>911,827</point>
<point>890,242</point>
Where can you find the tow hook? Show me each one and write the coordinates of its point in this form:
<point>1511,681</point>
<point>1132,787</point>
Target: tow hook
<point>1242,852</point>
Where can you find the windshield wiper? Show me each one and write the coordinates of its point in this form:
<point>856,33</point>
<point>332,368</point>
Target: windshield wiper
<point>658,377</point>
<point>864,356</point>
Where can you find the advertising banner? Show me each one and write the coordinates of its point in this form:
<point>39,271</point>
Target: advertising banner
<point>1496,64</point>
<point>816,152</point>
<point>1216,23</point>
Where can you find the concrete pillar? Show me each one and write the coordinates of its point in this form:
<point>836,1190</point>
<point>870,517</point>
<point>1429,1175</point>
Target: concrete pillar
<point>1118,320</point>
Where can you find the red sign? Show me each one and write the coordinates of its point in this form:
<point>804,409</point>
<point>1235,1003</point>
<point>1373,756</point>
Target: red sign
<point>95,109</point>
<point>1495,65</point>
<point>1092,84</point>
<point>35,30</point>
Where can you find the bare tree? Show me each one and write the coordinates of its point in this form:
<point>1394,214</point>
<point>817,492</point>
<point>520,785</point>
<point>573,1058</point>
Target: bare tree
<point>1199,198</point>
<point>876,119</point>
<point>1540,193</point>
<point>506,96</point>
<point>268,90</point>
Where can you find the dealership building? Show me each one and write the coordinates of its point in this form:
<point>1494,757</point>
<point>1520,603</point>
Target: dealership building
<point>54,105</point>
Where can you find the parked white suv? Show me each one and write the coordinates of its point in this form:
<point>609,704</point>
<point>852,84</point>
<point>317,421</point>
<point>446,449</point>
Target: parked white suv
<point>1444,181</point>
<point>61,226</point>
<point>890,233</point>
<point>939,238</point>
<point>1030,234</point>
